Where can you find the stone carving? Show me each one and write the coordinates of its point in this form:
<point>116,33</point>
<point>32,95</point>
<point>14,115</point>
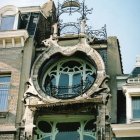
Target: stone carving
<point>53,48</point>
<point>31,94</point>
<point>28,124</point>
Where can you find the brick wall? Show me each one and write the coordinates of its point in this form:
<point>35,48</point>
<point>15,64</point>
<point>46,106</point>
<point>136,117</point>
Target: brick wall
<point>10,62</point>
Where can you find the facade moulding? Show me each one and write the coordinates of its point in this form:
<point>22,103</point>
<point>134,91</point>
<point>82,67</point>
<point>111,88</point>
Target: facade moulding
<point>9,10</point>
<point>126,130</point>
<point>13,38</point>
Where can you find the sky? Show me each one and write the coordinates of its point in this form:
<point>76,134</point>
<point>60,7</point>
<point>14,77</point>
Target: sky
<point>122,18</point>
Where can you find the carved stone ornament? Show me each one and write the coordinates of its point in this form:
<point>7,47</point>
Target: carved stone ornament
<point>35,95</point>
<point>27,121</point>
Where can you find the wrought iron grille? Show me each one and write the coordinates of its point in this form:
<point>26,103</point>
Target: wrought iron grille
<point>100,34</point>
<point>70,7</point>
<point>66,92</point>
<point>69,28</point>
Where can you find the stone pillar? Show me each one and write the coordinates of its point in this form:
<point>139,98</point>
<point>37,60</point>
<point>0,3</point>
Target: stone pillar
<point>103,131</point>
<point>28,124</point>
<point>128,107</point>
<point>55,30</point>
<point>101,122</point>
<point>83,26</point>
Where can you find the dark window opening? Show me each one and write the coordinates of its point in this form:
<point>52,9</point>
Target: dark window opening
<point>90,126</point>
<point>68,126</point>
<point>44,126</point>
<point>121,107</point>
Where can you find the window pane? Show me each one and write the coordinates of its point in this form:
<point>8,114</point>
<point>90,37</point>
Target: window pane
<point>136,107</point>
<point>68,136</point>
<point>4,79</point>
<point>4,92</point>
<point>47,138</point>
<point>88,138</point>
<point>7,23</point>
<point>63,83</point>
<point>77,84</point>
<point>76,79</point>
<point>3,100</point>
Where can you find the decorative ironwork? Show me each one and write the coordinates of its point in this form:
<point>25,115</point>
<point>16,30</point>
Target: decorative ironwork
<point>85,10</point>
<point>100,34</point>
<point>66,92</point>
<point>71,6</point>
<point>69,28</point>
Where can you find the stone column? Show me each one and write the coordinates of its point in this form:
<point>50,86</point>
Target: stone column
<point>83,26</point>
<point>103,131</point>
<point>28,124</point>
<point>55,30</point>
<point>128,107</point>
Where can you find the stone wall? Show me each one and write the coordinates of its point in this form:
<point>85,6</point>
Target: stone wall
<point>7,136</point>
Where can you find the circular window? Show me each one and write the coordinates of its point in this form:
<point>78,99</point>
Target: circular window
<point>66,78</point>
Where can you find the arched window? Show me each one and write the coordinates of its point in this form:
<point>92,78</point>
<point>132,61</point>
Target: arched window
<point>9,18</point>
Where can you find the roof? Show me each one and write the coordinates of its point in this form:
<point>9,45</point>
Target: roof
<point>135,72</point>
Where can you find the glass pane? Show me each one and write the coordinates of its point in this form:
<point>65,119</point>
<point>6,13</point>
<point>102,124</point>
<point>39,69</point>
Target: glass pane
<point>47,138</point>
<point>4,79</point>
<point>3,100</point>
<point>136,107</point>
<point>88,138</point>
<point>4,92</point>
<point>88,82</point>
<point>63,84</point>
<point>77,84</point>
<point>68,136</point>
<point>7,23</point>
<point>76,79</point>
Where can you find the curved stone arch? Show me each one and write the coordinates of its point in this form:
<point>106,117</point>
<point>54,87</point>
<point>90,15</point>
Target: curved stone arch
<point>9,10</point>
<point>54,49</point>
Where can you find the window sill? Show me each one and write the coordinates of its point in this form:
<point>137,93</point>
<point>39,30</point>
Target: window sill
<point>135,120</point>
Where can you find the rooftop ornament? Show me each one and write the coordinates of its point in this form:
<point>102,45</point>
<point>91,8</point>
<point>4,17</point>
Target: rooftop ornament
<point>70,6</point>
<point>80,27</point>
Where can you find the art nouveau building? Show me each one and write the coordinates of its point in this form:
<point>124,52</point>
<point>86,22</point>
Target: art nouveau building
<point>63,81</point>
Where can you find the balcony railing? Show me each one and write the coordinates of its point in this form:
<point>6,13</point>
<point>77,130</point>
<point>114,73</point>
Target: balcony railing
<point>67,92</point>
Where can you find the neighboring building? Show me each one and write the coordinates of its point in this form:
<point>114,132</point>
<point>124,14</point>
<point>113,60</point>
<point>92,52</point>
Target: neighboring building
<point>63,81</point>
<point>128,108</point>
